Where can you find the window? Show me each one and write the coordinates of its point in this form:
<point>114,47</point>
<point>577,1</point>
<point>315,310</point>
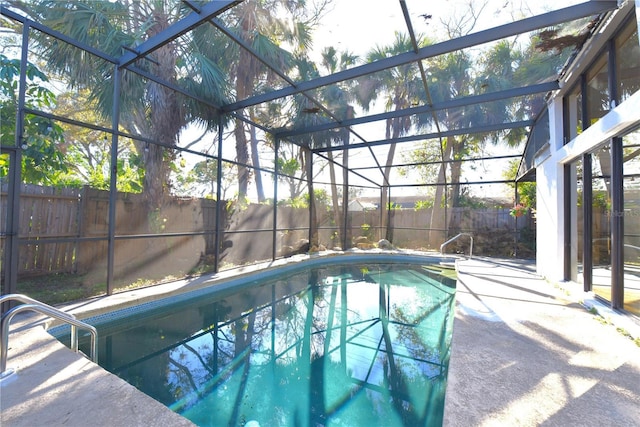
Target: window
<point>627,61</point>
<point>572,114</point>
<point>598,95</point>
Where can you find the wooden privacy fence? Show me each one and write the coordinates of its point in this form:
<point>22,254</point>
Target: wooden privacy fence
<point>65,230</point>
<point>46,214</point>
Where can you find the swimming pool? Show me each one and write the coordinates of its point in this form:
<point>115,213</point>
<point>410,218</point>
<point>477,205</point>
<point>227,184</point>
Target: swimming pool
<point>358,342</point>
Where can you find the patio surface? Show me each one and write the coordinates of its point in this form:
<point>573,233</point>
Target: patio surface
<point>524,353</point>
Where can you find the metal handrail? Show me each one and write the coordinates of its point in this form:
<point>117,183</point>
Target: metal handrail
<point>28,300</point>
<point>456,238</point>
<point>31,304</point>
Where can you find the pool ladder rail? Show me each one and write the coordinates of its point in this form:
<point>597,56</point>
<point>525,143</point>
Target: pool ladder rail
<point>456,237</point>
<point>30,304</point>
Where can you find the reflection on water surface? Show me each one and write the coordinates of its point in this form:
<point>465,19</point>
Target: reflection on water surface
<point>359,344</point>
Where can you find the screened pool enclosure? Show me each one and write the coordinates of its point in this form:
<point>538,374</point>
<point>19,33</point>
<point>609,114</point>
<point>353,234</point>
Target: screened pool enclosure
<point>146,141</point>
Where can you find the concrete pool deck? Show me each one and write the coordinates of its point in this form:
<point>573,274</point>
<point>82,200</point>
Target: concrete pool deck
<point>524,353</point>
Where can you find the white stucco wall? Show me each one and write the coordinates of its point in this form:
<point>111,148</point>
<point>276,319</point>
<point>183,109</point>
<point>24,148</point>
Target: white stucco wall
<point>549,200</point>
<point>549,177</point>
<point>549,252</point>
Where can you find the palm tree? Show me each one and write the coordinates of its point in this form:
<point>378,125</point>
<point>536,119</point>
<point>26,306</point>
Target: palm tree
<point>451,78</point>
<point>338,98</point>
<point>456,75</point>
<point>148,109</point>
<point>401,88</point>
<point>258,26</point>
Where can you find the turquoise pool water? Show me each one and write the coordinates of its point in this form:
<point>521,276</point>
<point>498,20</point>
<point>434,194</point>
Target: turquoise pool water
<point>342,344</point>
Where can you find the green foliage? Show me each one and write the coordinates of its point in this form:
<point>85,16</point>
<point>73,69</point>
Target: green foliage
<point>451,76</point>
<point>423,160</point>
<point>471,202</point>
<point>60,155</point>
<point>527,194</point>
<point>237,204</point>
<point>518,210</point>
<point>146,108</point>
<point>526,190</point>
<point>366,230</point>
<point>60,288</point>
<point>320,195</point>
<point>601,199</point>
<point>296,202</point>
<point>42,159</point>
<point>157,223</point>
<point>203,175</point>
<point>423,204</point>
<point>288,166</point>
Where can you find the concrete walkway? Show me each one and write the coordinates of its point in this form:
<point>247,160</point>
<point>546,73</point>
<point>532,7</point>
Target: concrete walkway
<point>54,386</point>
<point>524,354</point>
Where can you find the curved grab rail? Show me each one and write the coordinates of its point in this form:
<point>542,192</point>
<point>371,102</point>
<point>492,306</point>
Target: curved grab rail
<point>454,238</point>
<point>34,305</point>
<point>28,300</point>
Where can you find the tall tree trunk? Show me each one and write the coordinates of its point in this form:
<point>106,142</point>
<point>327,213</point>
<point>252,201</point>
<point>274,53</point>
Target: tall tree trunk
<point>242,157</point>
<point>384,221</point>
<point>388,232</point>
<point>255,160</point>
<point>155,176</point>
<point>313,215</point>
<point>346,226</point>
<point>243,348</point>
<point>334,192</point>
<point>437,232</point>
<point>244,86</point>
<point>456,172</point>
<point>166,119</point>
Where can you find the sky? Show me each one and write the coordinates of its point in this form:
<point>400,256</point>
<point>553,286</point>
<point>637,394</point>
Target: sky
<point>359,25</point>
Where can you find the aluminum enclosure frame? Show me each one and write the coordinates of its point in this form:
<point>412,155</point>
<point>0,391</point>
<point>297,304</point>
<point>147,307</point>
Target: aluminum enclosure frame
<point>207,15</point>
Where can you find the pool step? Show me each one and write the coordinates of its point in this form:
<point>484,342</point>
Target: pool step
<point>448,264</point>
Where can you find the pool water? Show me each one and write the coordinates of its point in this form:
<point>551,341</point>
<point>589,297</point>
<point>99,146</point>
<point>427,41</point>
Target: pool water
<point>364,344</point>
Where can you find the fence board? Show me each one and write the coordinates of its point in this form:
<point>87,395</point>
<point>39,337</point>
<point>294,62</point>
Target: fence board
<point>46,213</point>
<point>57,225</point>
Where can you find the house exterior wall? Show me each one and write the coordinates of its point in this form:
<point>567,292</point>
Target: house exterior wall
<point>552,247</point>
<point>550,190</point>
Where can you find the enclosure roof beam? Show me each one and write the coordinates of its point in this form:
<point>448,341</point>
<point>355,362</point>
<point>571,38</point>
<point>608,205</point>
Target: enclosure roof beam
<point>436,135</point>
<point>56,34</point>
<point>423,73</point>
<point>435,184</point>
<point>351,170</point>
<point>497,33</point>
<point>242,43</point>
<point>454,103</point>
<point>177,29</point>
<point>100,54</point>
<point>438,162</point>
